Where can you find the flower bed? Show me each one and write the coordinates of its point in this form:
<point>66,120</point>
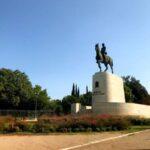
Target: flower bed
<point>84,123</point>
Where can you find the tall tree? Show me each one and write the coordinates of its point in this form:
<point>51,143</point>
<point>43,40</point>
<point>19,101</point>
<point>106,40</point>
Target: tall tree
<point>16,91</point>
<point>73,90</point>
<point>78,92</point>
<point>136,91</point>
<point>87,89</point>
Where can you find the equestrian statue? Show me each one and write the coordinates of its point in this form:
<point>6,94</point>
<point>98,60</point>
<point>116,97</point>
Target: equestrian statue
<point>102,57</point>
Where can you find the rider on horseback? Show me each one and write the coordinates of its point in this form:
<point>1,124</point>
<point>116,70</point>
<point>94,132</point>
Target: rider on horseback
<point>101,57</point>
<point>103,51</point>
<point>97,52</point>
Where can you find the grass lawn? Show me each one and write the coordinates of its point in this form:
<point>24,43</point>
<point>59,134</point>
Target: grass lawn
<point>136,128</point>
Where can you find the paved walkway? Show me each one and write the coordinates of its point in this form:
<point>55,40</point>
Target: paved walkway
<point>139,141</point>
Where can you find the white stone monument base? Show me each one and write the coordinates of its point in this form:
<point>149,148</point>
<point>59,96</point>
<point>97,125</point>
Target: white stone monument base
<point>122,109</point>
<point>108,98</point>
<point>107,87</point>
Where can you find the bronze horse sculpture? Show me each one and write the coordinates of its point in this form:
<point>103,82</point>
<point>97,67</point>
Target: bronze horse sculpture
<point>99,59</point>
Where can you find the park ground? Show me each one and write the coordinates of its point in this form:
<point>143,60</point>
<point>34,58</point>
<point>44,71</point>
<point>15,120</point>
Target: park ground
<point>134,141</point>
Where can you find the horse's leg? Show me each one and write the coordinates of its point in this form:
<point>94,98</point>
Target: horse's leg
<point>111,68</point>
<point>111,65</point>
<point>106,65</point>
<point>99,65</point>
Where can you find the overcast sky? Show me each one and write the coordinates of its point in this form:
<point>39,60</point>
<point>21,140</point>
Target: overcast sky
<point>52,41</point>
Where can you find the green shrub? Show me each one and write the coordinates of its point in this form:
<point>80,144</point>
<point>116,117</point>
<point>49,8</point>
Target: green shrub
<point>84,123</point>
<point>25,126</point>
<point>42,127</point>
<point>139,121</point>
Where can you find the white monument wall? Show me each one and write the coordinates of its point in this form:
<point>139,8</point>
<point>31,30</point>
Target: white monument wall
<point>122,109</point>
<point>109,98</point>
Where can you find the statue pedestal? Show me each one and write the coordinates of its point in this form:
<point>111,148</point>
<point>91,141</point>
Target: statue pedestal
<point>108,98</point>
<point>107,88</point>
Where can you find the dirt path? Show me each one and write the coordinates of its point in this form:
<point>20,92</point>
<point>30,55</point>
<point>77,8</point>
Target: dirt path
<point>55,142</point>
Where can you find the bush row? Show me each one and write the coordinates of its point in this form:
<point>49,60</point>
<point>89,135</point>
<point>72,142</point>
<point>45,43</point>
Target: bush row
<point>47,124</point>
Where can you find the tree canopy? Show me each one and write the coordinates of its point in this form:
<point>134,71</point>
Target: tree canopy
<point>17,92</point>
<point>134,91</point>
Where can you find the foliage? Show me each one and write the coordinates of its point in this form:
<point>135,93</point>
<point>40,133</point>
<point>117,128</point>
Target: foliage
<point>75,91</point>
<point>56,107</point>
<point>139,121</point>
<point>66,124</point>
<point>41,97</point>
<point>135,91</point>
<point>67,101</point>
<point>16,91</point>
<point>128,93</point>
<point>87,90</point>
<point>84,123</point>
<point>86,99</point>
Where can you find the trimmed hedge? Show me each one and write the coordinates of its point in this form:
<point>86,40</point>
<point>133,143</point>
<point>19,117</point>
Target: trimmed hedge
<point>82,123</point>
